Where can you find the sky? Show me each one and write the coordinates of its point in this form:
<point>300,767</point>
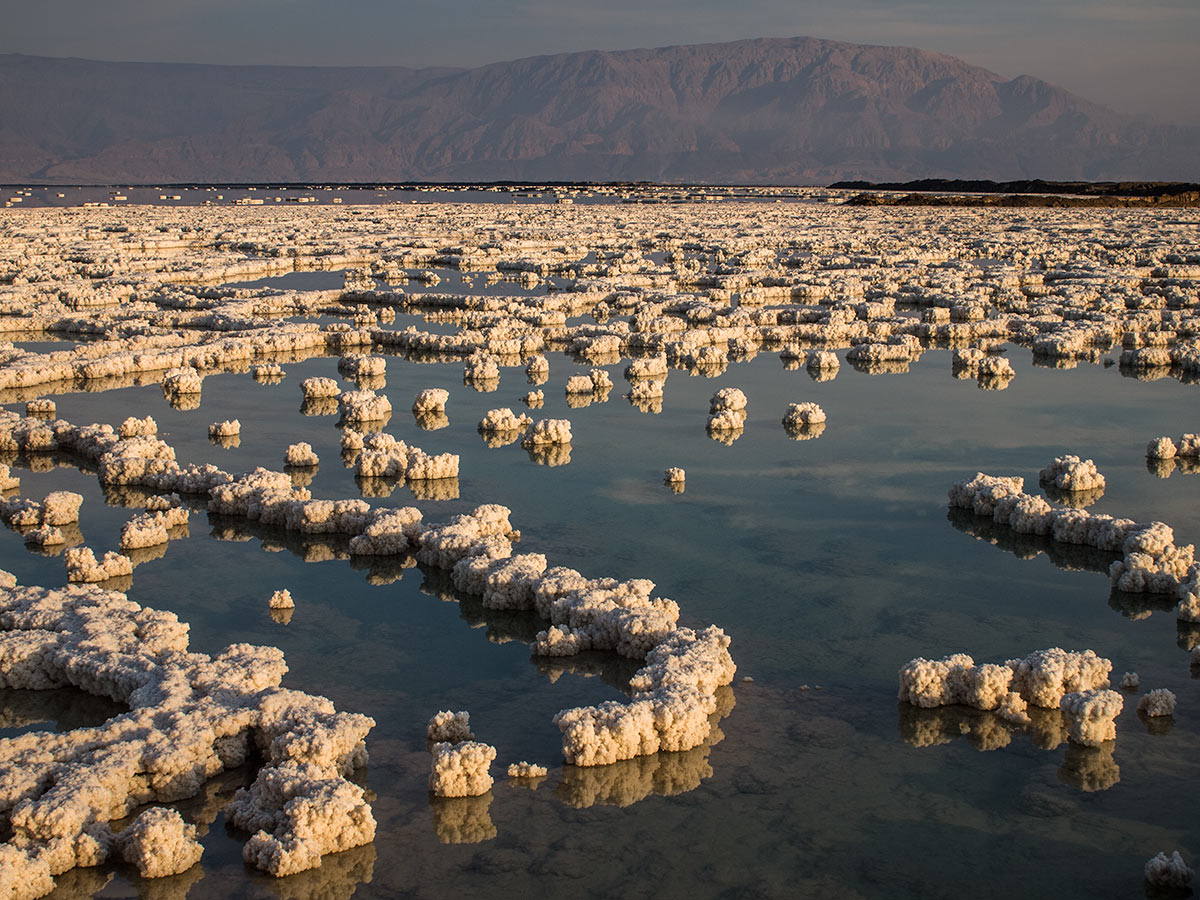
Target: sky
<point>1139,56</point>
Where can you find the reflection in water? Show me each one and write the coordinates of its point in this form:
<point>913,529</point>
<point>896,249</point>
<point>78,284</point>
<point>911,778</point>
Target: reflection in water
<point>432,420</point>
<point>550,455</point>
<point>1163,468</point>
<point>301,476</point>
<point>434,488</point>
<point>376,485</point>
<point>1086,768</point>
<point>62,709</point>
<point>225,441</point>
<point>81,883</point>
<point>805,432</point>
<point>337,878</point>
<point>1073,499</point>
<point>462,820</point>
<point>319,406</point>
<point>72,537</point>
<point>173,887</point>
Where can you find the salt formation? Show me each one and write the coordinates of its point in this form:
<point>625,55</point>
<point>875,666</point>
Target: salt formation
<point>357,407</point>
<point>154,526</point>
<point>1151,563</point>
<point>320,388</point>
<point>595,382</point>
<point>450,727</point>
<point>1130,681</point>
<point>430,401</point>
<point>1070,473</point>
<point>461,770</point>
<point>282,600</point>
<point>503,422</point>
<point>802,415</point>
<point>1158,702</point>
<point>1169,872</point>
<point>270,373</point>
<point>534,399</point>
<point>190,716</point>
<point>674,475</point>
<point>526,770</point>
<point>181,380</point>
<point>43,408</point>
<point>1090,715</point>
<point>82,565</point>
<point>301,455</point>
<point>547,431</point>
<point>159,843</point>
<point>537,370</point>
<point>228,428</point>
<point>362,366</point>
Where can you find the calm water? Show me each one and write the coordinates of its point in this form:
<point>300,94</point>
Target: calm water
<point>831,562</point>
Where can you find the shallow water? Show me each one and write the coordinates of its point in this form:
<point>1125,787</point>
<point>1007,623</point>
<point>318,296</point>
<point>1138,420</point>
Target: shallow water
<point>830,561</point>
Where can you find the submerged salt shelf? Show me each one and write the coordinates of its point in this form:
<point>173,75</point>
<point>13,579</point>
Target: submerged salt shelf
<point>974,340</point>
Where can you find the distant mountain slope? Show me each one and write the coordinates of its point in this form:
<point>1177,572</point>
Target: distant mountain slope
<point>796,110</point>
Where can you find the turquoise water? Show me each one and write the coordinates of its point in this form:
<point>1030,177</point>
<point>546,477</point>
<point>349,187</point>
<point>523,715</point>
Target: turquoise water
<point>830,561</point>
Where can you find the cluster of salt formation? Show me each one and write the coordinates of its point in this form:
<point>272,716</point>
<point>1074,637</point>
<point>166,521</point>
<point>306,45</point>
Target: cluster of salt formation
<point>1070,473</point>
<point>674,475</point>
<point>547,432</point>
<point>228,428</point>
<point>153,527</point>
<point>447,726</point>
<point>500,427</point>
<point>1151,562</point>
<point>300,455</point>
<point>134,427</point>
<point>43,408</point>
<point>190,717</point>
<point>1169,872</point>
<point>1165,448</point>
<point>1130,681</point>
<point>481,368</point>
<point>653,368</point>
<point>595,382</point>
<point>1158,702</point>
<point>646,395</point>
<point>320,388</point>
<point>8,481</point>
<point>362,366</point>
<point>1043,679</point>
<point>1091,716</point>
<point>82,565</point>
<point>992,372</point>
<point>727,412</point>
<point>357,407</point>
<point>526,770</point>
<point>461,770</point>
<point>534,399</point>
<point>268,373</point>
<point>801,416</point>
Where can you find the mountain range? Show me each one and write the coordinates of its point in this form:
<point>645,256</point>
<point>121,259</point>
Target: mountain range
<point>767,111</point>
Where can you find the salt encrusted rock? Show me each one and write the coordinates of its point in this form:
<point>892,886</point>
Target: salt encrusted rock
<point>534,399</point>
<point>228,428</point>
<point>282,600</point>
<point>595,381</point>
<point>537,369</point>
<point>134,427</point>
<point>362,366</point>
<point>152,527</point>
<point>1161,448</point>
<point>82,565</point>
<point>1070,473</point>
<point>730,399</point>
<point>1169,872</point>
<point>548,431</point>
<point>430,400</point>
<point>450,727</point>
<point>801,415</point>
<point>300,454</point>
<point>159,843</point>
<point>363,406</point>
<point>43,408</point>
<point>653,367</point>
<point>674,475</point>
<point>1130,681</point>
<point>461,770</point>
<point>1158,702</point>
<point>481,366</point>
<point>1090,716</point>
<point>526,770</point>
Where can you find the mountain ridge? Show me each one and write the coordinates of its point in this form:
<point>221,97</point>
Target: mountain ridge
<point>766,110</point>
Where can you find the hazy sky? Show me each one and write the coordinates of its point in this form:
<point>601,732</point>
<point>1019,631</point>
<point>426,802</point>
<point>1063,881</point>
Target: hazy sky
<point>1137,56</point>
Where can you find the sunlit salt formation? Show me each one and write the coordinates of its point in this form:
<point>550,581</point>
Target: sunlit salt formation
<point>802,416</point>
<point>1169,872</point>
<point>430,401</point>
<point>281,599</point>
<point>547,432</point>
<point>526,770</point>
<point>190,717</point>
<point>502,426</point>
<point>534,399</point>
<point>1158,702</point>
<point>646,395</point>
<point>227,429</point>
<point>822,365</point>
<point>450,727</point>
<point>357,407</point>
<point>481,367</point>
<point>159,843</point>
<point>537,370</point>
<point>652,367</point>
<point>362,366</point>
<point>134,427</point>
<point>389,532</point>
<point>1091,715</point>
<point>320,388</point>
<point>82,565</point>
<point>58,508</point>
<point>1165,448</point>
<point>43,408</point>
<point>153,527</point>
<point>1070,473</point>
<point>596,382</point>
<point>181,380</point>
<point>268,373</point>
<point>301,455</point>
<point>1151,562</point>
<point>675,477</point>
<point>8,481</point>
<point>461,770</point>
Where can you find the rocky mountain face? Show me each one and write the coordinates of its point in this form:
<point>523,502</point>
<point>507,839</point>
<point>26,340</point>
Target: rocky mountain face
<point>797,110</point>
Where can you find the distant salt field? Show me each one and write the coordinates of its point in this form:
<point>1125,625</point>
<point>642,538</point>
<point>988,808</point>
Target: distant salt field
<point>422,458</point>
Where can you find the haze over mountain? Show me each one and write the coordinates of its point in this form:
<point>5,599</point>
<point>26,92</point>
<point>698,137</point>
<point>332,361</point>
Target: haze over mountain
<point>797,110</point>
